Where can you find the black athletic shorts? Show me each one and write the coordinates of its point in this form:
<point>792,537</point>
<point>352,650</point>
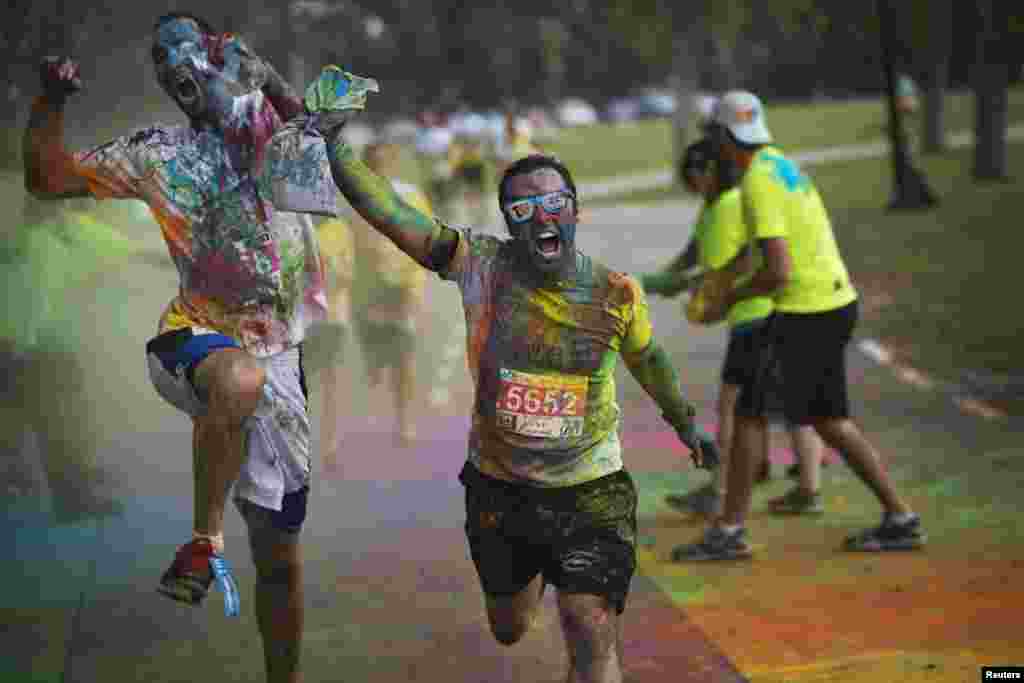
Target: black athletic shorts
<point>581,539</point>
<point>811,351</point>
<point>749,364</point>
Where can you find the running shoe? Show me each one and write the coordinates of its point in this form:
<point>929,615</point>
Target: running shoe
<point>196,566</point>
<point>889,535</point>
<point>717,544</point>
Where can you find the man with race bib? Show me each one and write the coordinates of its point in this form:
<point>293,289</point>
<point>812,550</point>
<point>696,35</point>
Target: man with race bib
<point>548,500</point>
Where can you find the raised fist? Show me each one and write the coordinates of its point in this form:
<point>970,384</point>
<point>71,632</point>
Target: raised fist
<point>60,77</point>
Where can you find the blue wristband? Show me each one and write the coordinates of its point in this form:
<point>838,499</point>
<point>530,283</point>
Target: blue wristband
<point>226,582</point>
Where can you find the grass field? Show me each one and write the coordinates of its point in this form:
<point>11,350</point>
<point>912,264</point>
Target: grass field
<point>605,151</point>
<point>938,284</point>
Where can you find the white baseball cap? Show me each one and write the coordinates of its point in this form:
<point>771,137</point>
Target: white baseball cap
<point>743,114</point>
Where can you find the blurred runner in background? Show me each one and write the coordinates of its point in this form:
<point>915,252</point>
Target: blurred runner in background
<point>390,296</point>
<point>53,251</point>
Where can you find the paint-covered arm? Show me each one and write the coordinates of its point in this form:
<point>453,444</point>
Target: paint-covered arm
<point>50,171</point>
<point>653,370</point>
<point>427,241</point>
<point>650,366</point>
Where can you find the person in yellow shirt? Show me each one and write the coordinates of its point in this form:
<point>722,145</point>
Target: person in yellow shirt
<point>472,175</point>
<point>802,271</point>
<point>386,322</point>
<point>717,246</point>
<point>338,253</point>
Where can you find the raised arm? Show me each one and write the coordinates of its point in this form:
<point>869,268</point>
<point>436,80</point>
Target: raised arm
<point>330,101</point>
<point>428,242</point>
<point>49,167</point>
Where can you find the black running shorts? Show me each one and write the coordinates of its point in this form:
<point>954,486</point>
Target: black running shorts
<point>581,539</point>
<point>749,365</point>
<point>811,351</point>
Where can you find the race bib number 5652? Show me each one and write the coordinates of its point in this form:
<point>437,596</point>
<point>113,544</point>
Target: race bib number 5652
<point>542,406</point>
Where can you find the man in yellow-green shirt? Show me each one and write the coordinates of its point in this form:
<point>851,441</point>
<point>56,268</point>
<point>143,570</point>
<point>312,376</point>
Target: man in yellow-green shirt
<point>803,272</point>
<point>719,245</point>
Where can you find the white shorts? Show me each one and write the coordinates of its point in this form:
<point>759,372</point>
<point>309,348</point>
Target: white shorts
<point>277,434</point>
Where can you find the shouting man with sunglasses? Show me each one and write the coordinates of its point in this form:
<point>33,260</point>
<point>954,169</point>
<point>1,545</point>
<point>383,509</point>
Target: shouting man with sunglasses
<point>547,498</point>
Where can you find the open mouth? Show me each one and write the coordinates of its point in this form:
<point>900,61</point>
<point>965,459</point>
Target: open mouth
<point>549,244</point>
<point>186,88</point>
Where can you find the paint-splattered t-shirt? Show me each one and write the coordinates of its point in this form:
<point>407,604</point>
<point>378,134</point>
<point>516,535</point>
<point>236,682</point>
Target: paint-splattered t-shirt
<point>543,360</point>
<point>247,270</point>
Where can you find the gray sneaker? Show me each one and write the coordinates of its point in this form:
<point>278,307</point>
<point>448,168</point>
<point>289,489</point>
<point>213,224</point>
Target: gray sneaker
<point>889,536</point>
<point>796,501</point>
<point>717,544</point>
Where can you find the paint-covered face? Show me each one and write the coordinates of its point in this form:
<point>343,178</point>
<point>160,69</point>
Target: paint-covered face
<point>205,74</point>
<point>541,214</point>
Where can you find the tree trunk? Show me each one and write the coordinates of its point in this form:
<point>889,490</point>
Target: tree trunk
<point>933,120</point>
<point>683,81</point>
<point>939,54</point>
<point>990,77</point>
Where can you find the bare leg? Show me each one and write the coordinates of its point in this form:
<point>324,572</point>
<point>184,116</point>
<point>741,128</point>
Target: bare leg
<point>748,442</point>
<point>593,636</point>
<point>279,602</point>
<point>231,381</point>
<point>403,379</point>
<point>809,450</point>
<point>727,397</point>
<point>844,436</point>
<point>332,393</point>
<point>333,378</point>
<point>512,616</point>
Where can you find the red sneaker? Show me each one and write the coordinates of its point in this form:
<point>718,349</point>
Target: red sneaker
<point>189,577</point>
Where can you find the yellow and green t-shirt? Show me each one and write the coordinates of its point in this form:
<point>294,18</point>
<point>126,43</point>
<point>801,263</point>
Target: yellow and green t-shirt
<point>337,251</point>
<point>721,234</point>
<point>543,360</point>
<point>779,200</point>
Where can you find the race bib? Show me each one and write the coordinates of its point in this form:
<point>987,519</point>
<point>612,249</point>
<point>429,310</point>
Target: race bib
<point>541,405</point>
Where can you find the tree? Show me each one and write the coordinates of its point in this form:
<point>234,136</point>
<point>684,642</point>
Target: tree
<point>688,37</point>
<point>935,18</point>
<point>910,190</point>
<point>990,79</point>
